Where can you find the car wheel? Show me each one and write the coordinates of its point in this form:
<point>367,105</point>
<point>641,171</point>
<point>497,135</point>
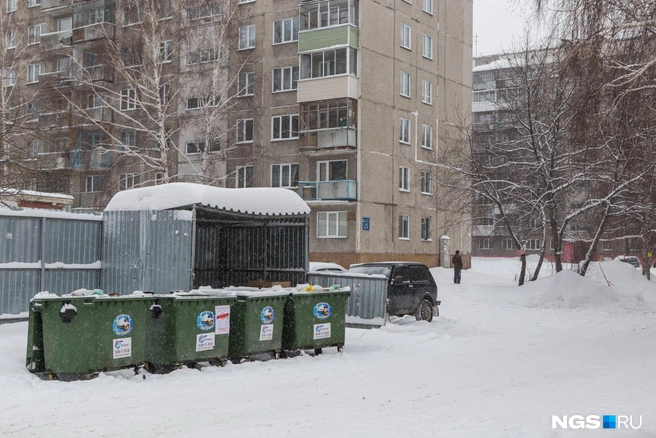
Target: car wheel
<point>425,311</point>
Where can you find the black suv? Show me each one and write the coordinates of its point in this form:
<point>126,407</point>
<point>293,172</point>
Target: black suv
<point>411,289</point>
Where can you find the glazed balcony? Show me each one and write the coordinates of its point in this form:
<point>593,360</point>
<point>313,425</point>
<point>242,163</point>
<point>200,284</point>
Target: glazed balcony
<point>56,40</point>
<point>331,138</point>
<point>343,190</point>
<point>98,159</point>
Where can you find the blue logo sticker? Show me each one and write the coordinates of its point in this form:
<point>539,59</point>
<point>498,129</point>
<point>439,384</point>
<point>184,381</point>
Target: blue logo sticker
<point>267,315</point>
<point>322,310</point>
<point>205,320</point>
<point>122,325</point>
<point>118,343</point>
<point>610,421</point>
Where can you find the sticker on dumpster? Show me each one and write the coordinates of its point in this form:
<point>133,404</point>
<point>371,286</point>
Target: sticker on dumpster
<point>266,315</point>
<point>205,341</point>
<point>266,332</point>
<point>222,323</point>
<point>205,320</point>
<point>122,325</point>
<point>122,348</point>
<point>322,310</point>
<point>322,331</point>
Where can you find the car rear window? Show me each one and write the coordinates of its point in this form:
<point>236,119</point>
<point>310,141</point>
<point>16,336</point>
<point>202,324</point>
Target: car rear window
<point>370,270</point>
<point>418,274</point>
<point>401,271</point>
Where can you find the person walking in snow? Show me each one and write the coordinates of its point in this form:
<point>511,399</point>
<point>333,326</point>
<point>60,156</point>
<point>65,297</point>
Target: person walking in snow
<point>457,267</point>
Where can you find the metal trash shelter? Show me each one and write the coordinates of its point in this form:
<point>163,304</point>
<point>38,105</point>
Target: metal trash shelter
<point>182,236</point>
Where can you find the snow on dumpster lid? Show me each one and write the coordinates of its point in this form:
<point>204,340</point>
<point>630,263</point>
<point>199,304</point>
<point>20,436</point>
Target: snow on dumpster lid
<point>259,201</point>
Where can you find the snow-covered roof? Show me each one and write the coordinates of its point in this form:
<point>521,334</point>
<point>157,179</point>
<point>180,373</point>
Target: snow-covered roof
<point>500,64</point>
<point>50,214</point>
<point>16,192</point>
<point>259,201</point>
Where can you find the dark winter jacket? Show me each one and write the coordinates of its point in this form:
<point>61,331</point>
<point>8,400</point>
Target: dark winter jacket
<point>457,262</point>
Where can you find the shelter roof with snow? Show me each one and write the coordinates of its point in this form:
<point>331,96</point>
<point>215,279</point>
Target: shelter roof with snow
<point>260,201</point>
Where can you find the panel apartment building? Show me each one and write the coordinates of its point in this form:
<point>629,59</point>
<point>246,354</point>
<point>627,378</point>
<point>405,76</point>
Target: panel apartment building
<point>344,101</point>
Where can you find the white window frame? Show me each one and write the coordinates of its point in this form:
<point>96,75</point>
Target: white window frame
<point>428,6</point>
<point>36,147</point>
<point>246,83</point>
<point>33,3</point>
<point>507,244</point>
<point>12,5</point>
<point>241,177</point>
<point>11,39</point>
<point>404,227</point>
<point>128,99</point>
<point>283,23</point>
<point>426,92</point>
<point>404,179</point>
<point>247,37</point>
<point>404,84</point>
<point>406,36</point>
<point>9,79</point>
<point>279,120</point>
<point>427,137</point>
<point>336,217</point>
<point>34,37</point>
<point>426,229</point>
<point>199,147</point>
<point>426,182</point>
<point>286,76</point>
<point>324,170</point>
<point>166,51</point>
<point>96,100</point>
<point>533,244</point>
<point>33,72</point>
<point>128,137</point>
<point>404,130</point>
<point>242,130</point>
<point>91,186</point>
<point>427,49</point>
<point>290,175</point>
<point>126,181</point>
<point>484,244</point>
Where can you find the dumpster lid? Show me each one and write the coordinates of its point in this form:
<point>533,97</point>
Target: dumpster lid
<point>263,201</point>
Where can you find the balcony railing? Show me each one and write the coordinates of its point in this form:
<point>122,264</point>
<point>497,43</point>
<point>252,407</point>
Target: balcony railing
<point>93,32</point>
<point>52,5</point>
<point>56,40</point>
<point>102,114</point>
<point>329,138</point>
<point>90,159</point>
<point>342,190</point>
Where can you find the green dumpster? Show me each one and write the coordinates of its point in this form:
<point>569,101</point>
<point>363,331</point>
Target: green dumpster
<point>188,328</point>
<point>315,320</point>
<point>256,323</point>
<point>69,336</point>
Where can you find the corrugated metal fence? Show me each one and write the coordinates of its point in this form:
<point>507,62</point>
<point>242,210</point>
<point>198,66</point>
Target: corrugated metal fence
<point>367,305</point>
<point>58,252</point>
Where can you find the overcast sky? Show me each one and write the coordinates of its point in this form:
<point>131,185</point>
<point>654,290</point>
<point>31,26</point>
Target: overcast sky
<point>496,23</point>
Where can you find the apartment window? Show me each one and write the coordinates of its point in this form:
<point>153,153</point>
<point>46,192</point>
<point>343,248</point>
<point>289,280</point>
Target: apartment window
<point>427,136</point>
<point>245,131</point>
<point>404,131</point>
<point>244,176</point>
<point>133,13</point>
<point>36,147</point>
<point>507,244</point>
<point>128,137</point>
<point>61,144</point>
<point>427,92</point>
<point>285,31</point>
<point>96,100</point>
<point>284,175</point>
<point>245,84</point>
<point>127,181</point>
<point>247,37</point>
<point>11,39</point>
<point>198,147</point>
<point>203,56</point>
<point>428,6</point>
<point>34,33</point>
<point>484,244</point>
<point>10,77</point>
<point>32,110</point>
<point>165,9</point>
<point>94,183</point>
<point>32,3</point>
<point>427,49</point>
<point>425,228</point>
<point>404,227</point>
<point>128,100</point>
<point>130,57</point>
<point>284,127</point>
<point>426,182</point>
<point>206,9</point>
<point>404,179</point>
<point>332,170</point>
<point>329,63</point>
<point>159,178</point>
<point>11,5</point>
<point>33,72</point>
<point>285,78</point>
<point>202,102</point>
<point>328,13</point>
<point>533,244</point>
<point>404,84</point>
<point>334,113</point>
<point>166,51</point>
<point>405,36</point>
<point>165,93</point>
<point>246,1</point>
<point>63,65</point>
<point>331,224</point>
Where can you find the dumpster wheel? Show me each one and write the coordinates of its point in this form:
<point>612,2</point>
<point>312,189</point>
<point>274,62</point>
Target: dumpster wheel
<point>318,351</point>
<point>340,348</point>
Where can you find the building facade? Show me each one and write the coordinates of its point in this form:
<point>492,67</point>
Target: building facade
<point>343,101</point>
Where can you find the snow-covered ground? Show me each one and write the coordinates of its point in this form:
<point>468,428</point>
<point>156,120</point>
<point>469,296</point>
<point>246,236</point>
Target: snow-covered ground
<point>499,362</point>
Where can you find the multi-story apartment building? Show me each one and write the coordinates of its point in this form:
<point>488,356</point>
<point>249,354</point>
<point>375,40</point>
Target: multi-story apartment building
<point>344,101</point>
